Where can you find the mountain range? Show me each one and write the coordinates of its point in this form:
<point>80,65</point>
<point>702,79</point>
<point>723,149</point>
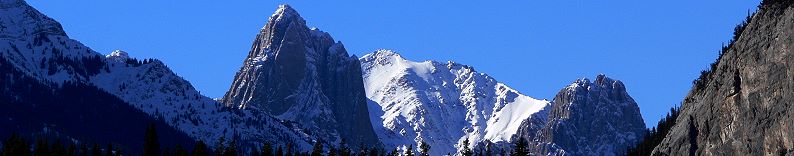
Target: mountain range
<point>299,88</point>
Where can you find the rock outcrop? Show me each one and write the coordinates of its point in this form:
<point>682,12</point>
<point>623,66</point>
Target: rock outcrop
<point>745,104</point>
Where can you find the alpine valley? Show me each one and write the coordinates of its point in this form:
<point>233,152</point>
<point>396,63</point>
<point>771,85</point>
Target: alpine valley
<point>300,92</point>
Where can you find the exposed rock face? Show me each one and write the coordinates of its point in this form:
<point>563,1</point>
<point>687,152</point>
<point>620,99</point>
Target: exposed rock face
<point>303,75</point>
<point>586,118</point>
<point>744,106</point>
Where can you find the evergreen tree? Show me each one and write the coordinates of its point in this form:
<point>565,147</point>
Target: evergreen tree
<point>72,150</point>
<point>109,150</point>
<point>200,149</point>
<point>58,149</point>
<point>409,151</point>
<point>180,151</point>
<point>344,150</point>
<point>16,145</point>
<point>41,148</point>
<point>231,150</point>
<point>95,151</point>
<point>466,150</point>
<point>424,149</point>
<point>279,151</point>
<point>318,149</point>
<point>83,149</point>
<point>288,151</point>
<point>151,144</point>
<point>255,152</point>
<point>220,148</point>
<point>267,149</point>
<point>521,147</point>
<point>332,152</point>
<point>488,148</point>
<point>394,152</point>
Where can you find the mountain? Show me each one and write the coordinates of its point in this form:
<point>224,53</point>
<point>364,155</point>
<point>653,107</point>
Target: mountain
<point>743,104</point>
<point>38,50</point>
<point>586,118</point>
<point>300,74</point>
<point>439,103</point>
<point>43,93</point>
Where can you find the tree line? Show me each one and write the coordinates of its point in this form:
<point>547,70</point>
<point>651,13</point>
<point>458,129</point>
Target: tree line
<point>18,145</point>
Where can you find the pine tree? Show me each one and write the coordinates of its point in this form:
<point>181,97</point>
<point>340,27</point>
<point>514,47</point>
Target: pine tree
<point>318,149</point>
<point>220,148</point>
<point>95,151</point>
<point>466,150</point>
<point>151,144</point>
<point>231,150</point>
<point>409,151</point>
<point>279,151</point>
<point>180,151</point>
<point>394,152</point>
<point>42,147</point>
<point>520,148</point>
<point>83,149</point>
<point>332,152</point>
<point>109,150</point>
<point>267,149</point>
<point>488,148</point>
<point>200,149</point>
<point>288,151</point>
<point>16,145</point>
<point>72,150</point>
<point>343,149</point>
<point>58,149</point>
<point>424,149</point>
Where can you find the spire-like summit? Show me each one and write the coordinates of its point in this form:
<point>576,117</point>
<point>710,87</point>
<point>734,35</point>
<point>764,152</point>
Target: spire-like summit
<point>286,14</point>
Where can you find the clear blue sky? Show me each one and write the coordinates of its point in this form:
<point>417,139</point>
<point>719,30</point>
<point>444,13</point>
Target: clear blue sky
<point>655,47</point>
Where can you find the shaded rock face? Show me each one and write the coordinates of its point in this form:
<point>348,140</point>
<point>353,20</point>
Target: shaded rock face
<point>586,118</point>
<point>745,105</point>
<point>303,75</point>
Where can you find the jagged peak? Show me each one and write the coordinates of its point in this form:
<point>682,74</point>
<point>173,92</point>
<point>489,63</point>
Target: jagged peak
<point>602,81</point>
<point>285,13</point>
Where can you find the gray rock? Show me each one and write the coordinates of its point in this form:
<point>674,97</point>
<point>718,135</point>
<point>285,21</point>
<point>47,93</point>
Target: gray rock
<point>744,106</point>
<point>303,75</point>
<point>586,118</point>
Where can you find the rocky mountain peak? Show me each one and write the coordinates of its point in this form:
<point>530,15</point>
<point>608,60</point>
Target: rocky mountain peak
<point>303,75</point>
<point>600,109</point>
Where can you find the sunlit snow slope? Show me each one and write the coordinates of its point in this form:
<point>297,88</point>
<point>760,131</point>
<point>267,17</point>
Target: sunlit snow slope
<point>439,103</point>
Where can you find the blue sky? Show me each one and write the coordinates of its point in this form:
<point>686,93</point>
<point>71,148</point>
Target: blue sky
<point>655,47</point>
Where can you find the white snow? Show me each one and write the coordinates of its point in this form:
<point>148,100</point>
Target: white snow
<point>440,103</point>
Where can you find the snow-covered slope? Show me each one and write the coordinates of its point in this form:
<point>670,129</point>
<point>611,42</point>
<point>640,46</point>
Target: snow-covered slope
<point>38,46</point>
<point>440,103</point>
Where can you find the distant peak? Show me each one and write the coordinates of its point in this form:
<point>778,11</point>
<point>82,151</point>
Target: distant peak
<point>383,53</point>
<point>118,56</point>
<point>285,12</point>
<point>601,81</point>
<point>285,9</point>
